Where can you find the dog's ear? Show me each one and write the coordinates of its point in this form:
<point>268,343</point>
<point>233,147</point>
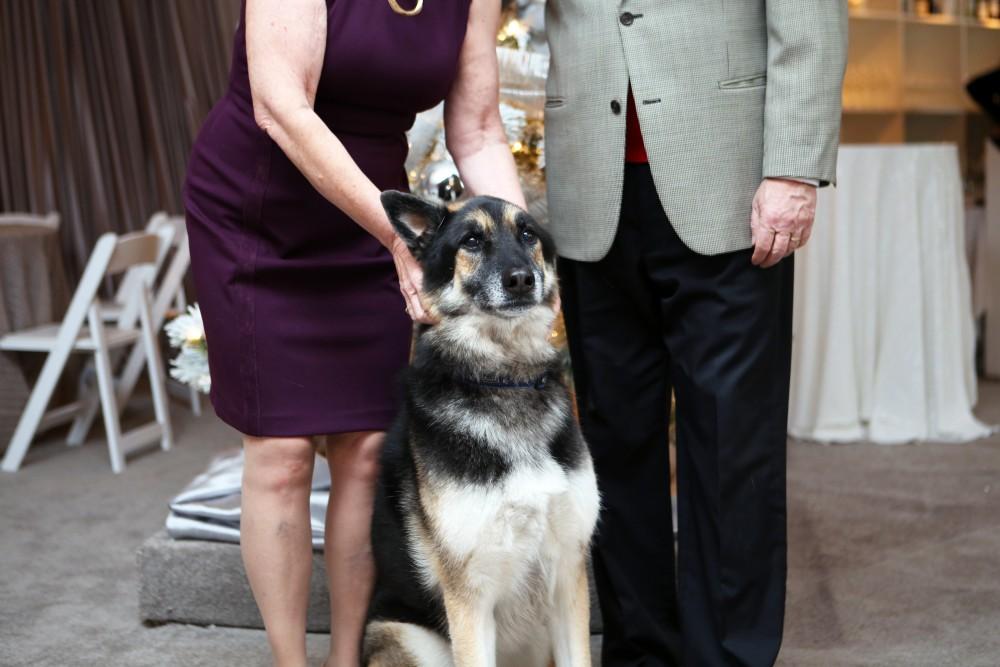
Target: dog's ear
<point>414,219</point>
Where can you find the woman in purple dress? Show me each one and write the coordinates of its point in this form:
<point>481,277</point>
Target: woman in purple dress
<point>304,287</point>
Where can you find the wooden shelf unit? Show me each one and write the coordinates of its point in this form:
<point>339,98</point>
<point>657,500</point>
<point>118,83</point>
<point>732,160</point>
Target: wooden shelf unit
<point>906,77</point>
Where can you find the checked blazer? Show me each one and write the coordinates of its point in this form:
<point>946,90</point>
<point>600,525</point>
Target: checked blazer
<point>727,92</point>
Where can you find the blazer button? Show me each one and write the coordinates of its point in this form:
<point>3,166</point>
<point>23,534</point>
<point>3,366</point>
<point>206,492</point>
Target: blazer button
<point>626,18</point>
<point>616,107</point>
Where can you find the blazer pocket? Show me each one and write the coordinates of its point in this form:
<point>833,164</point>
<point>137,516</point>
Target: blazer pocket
<point>554,102</point>
<point>752,81</point>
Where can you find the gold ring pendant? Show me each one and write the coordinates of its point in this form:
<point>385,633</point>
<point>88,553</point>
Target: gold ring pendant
<point>406,12</point>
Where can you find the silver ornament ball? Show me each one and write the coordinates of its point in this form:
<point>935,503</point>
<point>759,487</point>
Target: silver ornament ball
<point>441,181</point>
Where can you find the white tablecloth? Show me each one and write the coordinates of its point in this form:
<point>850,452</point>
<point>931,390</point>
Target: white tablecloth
<point>883,332</point>
<point>988,263</point>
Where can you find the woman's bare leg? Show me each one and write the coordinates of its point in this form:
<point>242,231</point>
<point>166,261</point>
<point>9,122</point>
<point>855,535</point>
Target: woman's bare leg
<point>353,460</point>
<point>276,539</point>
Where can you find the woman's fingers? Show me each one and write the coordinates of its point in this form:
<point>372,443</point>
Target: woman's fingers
<point>410,282</point>
<point>415,278</point>
<point>416,309</point>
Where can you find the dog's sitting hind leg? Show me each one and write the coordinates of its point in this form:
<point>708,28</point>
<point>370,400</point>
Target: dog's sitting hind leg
<point>392,644</point>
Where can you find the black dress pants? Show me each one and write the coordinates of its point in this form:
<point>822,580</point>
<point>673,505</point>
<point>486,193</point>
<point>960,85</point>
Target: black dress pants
<point>651,316</point>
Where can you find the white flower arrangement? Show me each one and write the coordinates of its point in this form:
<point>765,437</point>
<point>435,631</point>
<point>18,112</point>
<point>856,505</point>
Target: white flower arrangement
<point>187,334</point>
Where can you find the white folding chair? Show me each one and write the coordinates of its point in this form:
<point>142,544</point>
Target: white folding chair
<point>50,220</point>
<point>112,310</point>
<point>168,291</point>
<point>111,256</point>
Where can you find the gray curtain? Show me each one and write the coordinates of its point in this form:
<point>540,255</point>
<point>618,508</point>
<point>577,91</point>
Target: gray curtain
<point>101,101</point>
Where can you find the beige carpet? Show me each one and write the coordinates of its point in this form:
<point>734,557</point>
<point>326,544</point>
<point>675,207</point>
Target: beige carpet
<point>894,555</point>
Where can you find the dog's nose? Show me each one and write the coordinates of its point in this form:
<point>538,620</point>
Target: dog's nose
<point>518,282</point>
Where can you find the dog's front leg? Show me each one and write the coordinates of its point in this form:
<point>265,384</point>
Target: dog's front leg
<point>473,630</point>
<point>570,625</point>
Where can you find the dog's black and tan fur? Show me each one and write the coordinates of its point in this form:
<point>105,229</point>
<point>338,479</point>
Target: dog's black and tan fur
<point>487,498</point>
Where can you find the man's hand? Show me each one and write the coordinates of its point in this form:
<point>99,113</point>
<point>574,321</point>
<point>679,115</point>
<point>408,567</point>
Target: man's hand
<point>781,219</point>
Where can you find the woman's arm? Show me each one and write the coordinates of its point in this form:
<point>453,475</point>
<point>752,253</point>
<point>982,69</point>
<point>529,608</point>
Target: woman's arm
<point>473,130</point>
<point>286,42</point>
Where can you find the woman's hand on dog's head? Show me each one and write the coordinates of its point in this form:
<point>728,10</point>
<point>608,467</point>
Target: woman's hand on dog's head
<point>411,278</point>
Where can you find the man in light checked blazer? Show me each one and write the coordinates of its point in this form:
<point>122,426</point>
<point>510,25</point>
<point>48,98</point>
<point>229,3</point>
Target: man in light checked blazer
<point>685,140</point>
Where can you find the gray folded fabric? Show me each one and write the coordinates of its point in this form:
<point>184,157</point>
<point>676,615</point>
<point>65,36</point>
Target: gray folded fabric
<point>209,507</point>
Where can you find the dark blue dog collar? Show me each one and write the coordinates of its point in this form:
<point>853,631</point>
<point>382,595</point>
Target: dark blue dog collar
<point>506,383</point>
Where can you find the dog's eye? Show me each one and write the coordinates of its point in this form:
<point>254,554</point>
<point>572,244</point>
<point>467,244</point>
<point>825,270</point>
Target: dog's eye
<point>528,237</point>
<point>472,242</point>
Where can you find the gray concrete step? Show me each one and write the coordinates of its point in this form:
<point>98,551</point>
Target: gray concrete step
<point>203,583</point>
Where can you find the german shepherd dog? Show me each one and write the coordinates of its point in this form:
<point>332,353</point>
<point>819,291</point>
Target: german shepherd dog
<point>487,499</point>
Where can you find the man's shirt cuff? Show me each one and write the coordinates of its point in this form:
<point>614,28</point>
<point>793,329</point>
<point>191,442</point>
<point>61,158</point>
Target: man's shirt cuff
<point>808,181</point>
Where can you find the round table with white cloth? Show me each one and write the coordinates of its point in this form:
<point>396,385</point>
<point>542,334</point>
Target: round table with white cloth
<point>883,332</point>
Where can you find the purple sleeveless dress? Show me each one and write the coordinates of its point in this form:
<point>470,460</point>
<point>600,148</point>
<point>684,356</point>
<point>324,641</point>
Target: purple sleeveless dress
<point>305,324</point>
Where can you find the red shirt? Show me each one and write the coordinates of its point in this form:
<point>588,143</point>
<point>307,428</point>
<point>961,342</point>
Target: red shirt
<point>635,149</point>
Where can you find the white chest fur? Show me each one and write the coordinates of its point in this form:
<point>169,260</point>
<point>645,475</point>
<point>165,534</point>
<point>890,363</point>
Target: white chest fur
<point>506,543</point>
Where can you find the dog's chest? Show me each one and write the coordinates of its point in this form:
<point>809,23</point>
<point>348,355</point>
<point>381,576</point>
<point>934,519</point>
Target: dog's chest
<point>513,534</point>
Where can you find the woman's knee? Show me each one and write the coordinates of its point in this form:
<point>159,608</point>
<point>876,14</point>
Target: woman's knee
<point>278,465</point>
<point>355,455</point>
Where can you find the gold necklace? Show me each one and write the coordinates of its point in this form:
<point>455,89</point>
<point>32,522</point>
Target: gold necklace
<point>406,12</point>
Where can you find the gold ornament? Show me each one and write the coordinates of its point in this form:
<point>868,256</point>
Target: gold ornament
<point>406,12</point>
<point>514,34</point>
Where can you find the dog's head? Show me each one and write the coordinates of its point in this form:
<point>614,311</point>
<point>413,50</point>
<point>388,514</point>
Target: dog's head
<point>484,257</point>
